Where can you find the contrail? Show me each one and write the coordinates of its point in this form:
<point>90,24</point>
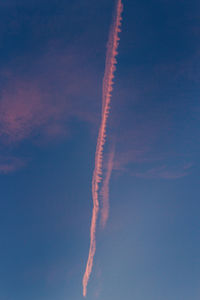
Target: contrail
<point>105,190</point>
<point>106,98</point>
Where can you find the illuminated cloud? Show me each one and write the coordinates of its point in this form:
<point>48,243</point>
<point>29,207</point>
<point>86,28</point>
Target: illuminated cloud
<point>9,164</point>
<point>23,110</point>
<point>164,172</point>
<point>39,101</point>
<point>105,188</point>
<point>110,68</point>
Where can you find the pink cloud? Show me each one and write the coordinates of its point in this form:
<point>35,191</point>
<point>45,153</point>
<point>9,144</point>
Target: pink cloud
<point>137,143</point>
<point>144,146</point>
<point>38,102</point>
<point>164,171</point>
<point>43,97</point>
<point>23,108</point>
<point>10,164</point>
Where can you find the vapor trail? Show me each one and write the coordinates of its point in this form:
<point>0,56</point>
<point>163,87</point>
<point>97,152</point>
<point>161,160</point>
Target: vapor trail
<point>105,190</point>
<point>106,98</point>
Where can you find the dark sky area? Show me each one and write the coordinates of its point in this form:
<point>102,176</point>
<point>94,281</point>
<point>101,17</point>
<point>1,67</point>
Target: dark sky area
<point>52,60</point>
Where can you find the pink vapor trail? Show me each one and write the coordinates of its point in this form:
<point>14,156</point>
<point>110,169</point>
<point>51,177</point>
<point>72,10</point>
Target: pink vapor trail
<point>105,190</point>
<point>106,99</point>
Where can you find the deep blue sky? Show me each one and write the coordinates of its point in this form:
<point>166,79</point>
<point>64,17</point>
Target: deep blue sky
<point>52,57</point>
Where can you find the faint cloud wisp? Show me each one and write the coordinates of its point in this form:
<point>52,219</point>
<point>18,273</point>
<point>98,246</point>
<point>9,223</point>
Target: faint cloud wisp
<point>106,98</point>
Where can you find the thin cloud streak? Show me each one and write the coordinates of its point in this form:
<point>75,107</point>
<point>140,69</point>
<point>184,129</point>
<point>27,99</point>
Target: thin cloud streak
<point>9,164</point>
<point>106,98</point>
<point>165,172</point>
<point>105,189</point>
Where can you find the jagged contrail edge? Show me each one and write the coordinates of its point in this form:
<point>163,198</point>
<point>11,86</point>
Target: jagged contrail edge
<point>106,98</point>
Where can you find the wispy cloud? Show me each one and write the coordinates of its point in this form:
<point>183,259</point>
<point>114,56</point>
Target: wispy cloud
<point>44,98</point>
<point>106,99</point>
<point>24,108</point>
<point>9,164</point>
<point>37,103</point>
<point>164,172</point>
<point>105,188</point>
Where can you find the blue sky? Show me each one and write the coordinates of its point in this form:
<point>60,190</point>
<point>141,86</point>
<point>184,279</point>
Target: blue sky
<point>52,59</point>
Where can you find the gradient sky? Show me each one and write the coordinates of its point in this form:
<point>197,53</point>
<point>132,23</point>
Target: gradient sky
<point>52,58</point>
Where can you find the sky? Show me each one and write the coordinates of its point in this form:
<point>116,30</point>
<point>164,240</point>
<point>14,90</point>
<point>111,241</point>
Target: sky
<point>52,63</point>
